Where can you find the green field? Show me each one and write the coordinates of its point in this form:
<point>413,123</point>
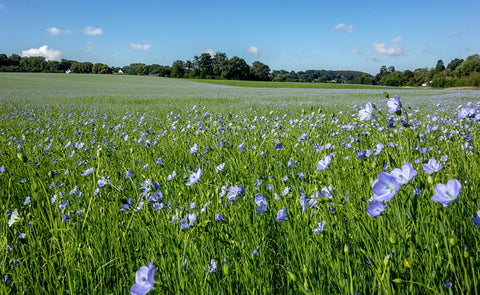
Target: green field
<point>268,84</point>
<point>228,189</point>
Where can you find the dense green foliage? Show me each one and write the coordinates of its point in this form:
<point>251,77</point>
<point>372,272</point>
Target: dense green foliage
<point>458,73</point>
<point>85,159</point>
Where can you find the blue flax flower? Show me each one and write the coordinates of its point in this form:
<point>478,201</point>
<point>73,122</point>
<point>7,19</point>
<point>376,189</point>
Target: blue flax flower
<point>282,214</point>
<point>476,220</point>
<point>144,280</point>
<point>446,194</point>
<point>261,203</point>
<point>394,104</point>
<point>405,174</point>
<point>194,177</point>
<point>375,208</point>
<point>432,166</point>
<point>366,113</point>
<point>385,187</point>
<point>324,163</point>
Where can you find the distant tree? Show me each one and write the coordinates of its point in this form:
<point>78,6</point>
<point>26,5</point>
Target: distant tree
<point>420,77</point>
<point>100,68</point>
<point>470,65</point>
<point>383,71</point>
<point>136,69</point>
<point>454,64</point>
<point>205,65</point>
<point>33,64</point>
<point>440,66</point>
<point>81,67</point>
<point>162,71</point>
<point>178,69</point>
<point>259,71</point>
<point>363,79</point>
<point>3,60</point>
<point>14,60</point>
<point>395,78</point>
<point>52,66</point>
<point>64,65</point>
<point>236,69</point>
<point>219,61</point>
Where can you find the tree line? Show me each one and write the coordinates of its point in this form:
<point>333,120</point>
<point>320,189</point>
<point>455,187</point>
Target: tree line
<point>457,73</point>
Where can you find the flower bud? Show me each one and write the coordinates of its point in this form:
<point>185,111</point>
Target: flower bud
<point>408,262</point>
<point>346,249</point>
<point>292,276</point>
<point>452,241</point>
<point>397,280</point>
<point>393,239</point>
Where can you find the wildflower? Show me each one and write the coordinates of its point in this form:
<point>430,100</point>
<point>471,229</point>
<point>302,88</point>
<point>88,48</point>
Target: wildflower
<point>405,174</point>
<point>171,176</point>
<point>102,182</point>
<point>467,113</point>
<point>88,171</point>
<point>432,166</point>
<point>366,113</point>
<point>234,192</point>
<point>144,280</point>
<point>375,208</point>
<point>385,187</point>
<point>27,201</point>
<point>194,149</point>
<point>303,201</point>
<point>220,167</point>
<point>394,104</point>
<point>219,217</point>
<point>13,218</point>
<point>66,217</point>
<point>446,194</point>
<point>261,203</point>
<point>378,149</point>
<point>63,204</point>
<point>127,205</point>
<point>448,285</point>
<point>129,174</point>
<point>279,146</point>
<point>320,227</point>
<point>191,219</point>
<point>159,161</point>
<point>194,177</point>
<point>212,266</point>
<point>324,163</point>
<point>282,214</point>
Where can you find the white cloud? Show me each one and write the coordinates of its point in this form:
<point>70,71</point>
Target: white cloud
<point>396,50</point>
<point>48,53</point>
<point>209,51</point>
<point>140,46</point>
<point>356,51</point>
<point>345,27</point>
<point>93,31</point>
<point>2,5</point>
<point>455,33</point>
<point>56,31</point>
<point>253,50</point>
<point>371,57</point>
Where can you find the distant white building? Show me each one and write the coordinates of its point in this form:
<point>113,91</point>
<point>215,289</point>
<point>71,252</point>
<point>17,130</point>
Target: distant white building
<point>120,72</point>
<point>68,71</point>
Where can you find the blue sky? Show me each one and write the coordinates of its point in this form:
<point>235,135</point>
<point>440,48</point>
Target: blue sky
<point>290,35</point>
